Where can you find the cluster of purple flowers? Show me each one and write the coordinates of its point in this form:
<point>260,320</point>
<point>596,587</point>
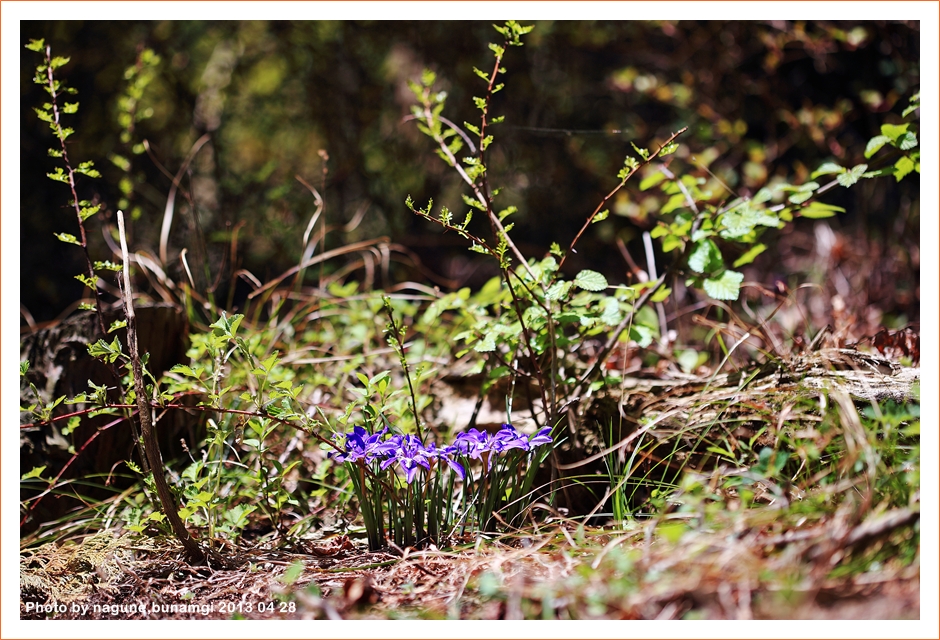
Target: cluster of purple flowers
<point>410,453</point>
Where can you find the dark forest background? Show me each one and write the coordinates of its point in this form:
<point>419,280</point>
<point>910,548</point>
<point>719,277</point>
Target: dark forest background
<point>763,101</point>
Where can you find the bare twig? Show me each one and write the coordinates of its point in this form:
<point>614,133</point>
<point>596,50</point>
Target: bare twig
<point>610,195</point>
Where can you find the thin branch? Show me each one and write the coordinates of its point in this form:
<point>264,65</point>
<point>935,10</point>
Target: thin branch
<point>610,195</point>
<point>150,442</point>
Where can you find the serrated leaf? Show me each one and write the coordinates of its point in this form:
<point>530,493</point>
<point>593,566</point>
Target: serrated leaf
<point>726,287</point>
<point>590,280</point>
<point>642,335</point>
<point>643,153</point>
<point>87,281</point>
<point>36,45</point>
<point>706,257</point>
<point>906,141</point>
<point>58,175</point>
<point>894,131</point>
<point>903,167</point>
<point>749,255</point>
<point>800,197</point>
<point>184,370</point>
<point>611,315</point>
<point>762,196</point>
<point>68,237</point>
<point>117,324</point>
<point>827,168</point>
<point>486,344</point>
<point>849,178</point>
<point>36,472</point>
<point>875,144</point>
<point>558,290</point>
<point>669,148</point>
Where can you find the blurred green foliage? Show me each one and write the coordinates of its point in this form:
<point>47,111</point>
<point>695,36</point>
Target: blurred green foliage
<point>326,101</point>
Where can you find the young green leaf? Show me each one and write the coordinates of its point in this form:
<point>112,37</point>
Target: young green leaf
<point>590,280</point>
<point>749,255</point>
<point>68,237</point>
<point>725,287</point>
<point>828,168</point>
<point>903,167</point>
<point>706,257</point>
<point>820,210</point>
<point>875,144</point>
<point>849,178</point>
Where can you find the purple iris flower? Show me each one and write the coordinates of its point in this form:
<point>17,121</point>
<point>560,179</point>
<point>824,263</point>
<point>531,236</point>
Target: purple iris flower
<point>360,445</point>
<point>508,438</point>
<point>543,436</point>
<point>473,443</point>
<point>408,452</point>
<point>446,454</point>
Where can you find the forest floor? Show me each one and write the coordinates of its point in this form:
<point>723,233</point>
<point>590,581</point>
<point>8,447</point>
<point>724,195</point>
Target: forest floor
<point>785,556</point>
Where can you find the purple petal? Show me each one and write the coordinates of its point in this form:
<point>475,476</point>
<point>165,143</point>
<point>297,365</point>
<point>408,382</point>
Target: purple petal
<point>544,436</point>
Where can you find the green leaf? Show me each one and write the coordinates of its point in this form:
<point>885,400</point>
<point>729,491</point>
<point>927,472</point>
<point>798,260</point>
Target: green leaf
<point>669,148</point>
<point>676,201</point>
<point>820,210</point>
<point>611,315</point>
<point>894,131</point>
<point>661,295</point>
<point>652,180</point>
<point>558,290</point>
<point>727,287</point>
<point>800,197</point>
<point>58,175</point>
<point>906,141</point>
<point>851,177</point>
<point>68,237</point>
<point>36,45</point>
<point>293,572</point>
<point>184,370</point>
<point>903,167</point>
<point>117,324</point>
<point>600,216</point>
<point>644,153</point>
<point>741,220</point>
<point>875,144</point>
<point>827,168</point>
<point>107,265</point>
<point>590,280</point>
<point>486,344</point>
<point>35,473</point>
<point>749,256</point>
<point>70,107</point>
<point>706,257</point>
<point>24,367</point>
<point>642,335</point>
<point>87,212</point>
<point>87,281</point>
